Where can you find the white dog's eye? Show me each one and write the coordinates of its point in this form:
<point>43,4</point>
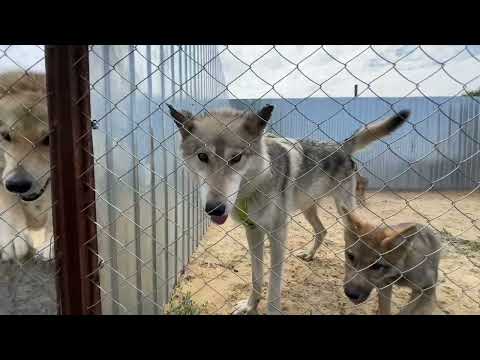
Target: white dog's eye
<point>6,136</point>
<point>203,157</point>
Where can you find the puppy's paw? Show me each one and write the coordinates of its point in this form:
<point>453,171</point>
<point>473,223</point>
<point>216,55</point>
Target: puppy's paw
<point>244,308</point>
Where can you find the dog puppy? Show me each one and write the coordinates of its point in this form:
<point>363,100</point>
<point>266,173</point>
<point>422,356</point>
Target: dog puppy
<point>406,255</point>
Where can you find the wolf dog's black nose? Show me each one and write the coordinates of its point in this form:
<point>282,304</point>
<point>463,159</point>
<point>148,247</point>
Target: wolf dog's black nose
<point>215,208</point>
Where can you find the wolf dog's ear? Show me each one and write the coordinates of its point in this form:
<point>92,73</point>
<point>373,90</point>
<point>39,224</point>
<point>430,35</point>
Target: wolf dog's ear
<point>183,119</point>
<point>256,122</point>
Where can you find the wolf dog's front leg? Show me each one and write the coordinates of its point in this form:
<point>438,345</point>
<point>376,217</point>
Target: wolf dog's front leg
<point>255,238</point>
<point>277,245</point>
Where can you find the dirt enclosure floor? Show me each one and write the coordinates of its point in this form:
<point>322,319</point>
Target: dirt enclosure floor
<point>219,273</point>
<point>27,289</point>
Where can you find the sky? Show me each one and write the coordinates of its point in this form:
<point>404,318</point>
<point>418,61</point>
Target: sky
<point>299,71</point>
<point>394,70</point>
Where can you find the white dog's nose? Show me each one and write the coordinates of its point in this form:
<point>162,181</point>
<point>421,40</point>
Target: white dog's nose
<point>18,185</point>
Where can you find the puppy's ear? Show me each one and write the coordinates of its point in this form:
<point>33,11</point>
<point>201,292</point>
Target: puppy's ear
<point>183,119</point>
<point>256,122</point>
<point>398,234</point>
<point>353,222</point>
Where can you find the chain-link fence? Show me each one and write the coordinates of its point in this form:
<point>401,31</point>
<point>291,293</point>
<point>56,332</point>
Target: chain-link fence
<point>192,161</point>
<point>149,212</point>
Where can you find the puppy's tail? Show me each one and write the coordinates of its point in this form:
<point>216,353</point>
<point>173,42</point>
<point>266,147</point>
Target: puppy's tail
<point>374,132</point>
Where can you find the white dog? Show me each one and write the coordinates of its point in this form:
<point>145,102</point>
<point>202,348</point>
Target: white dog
<point>25,199</point>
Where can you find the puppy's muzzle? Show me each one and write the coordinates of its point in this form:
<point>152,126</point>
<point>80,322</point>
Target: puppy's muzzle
<point>356,296</point>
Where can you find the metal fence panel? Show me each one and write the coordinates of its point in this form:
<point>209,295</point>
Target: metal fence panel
<point>130,228</point>
<point>147,204</point>
<point>442,132</point>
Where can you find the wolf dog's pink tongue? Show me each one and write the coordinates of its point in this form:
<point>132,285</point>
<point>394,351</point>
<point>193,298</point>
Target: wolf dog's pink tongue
<point>219,219</point>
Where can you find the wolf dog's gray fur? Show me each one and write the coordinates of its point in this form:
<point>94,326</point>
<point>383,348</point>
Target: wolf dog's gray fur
<point>236,164</point>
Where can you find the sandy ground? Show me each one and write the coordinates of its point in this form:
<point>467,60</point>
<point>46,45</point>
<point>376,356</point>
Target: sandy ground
<point>219,273</point>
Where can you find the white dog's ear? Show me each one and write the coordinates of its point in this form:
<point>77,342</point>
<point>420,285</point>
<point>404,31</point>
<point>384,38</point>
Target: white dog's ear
<point>398,234</point>
<point>183,119</point>
<point>256,122</point>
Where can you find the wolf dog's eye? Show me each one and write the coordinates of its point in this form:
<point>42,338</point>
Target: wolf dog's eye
<point>6,136</point>
<point>377,266</point>
<point>350,256</point>
<point>235,159</point>
<point>46,141</point>
<point>203,157</point>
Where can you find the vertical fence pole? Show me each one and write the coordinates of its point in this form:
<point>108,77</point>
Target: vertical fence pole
<point>163,135</point>
<point>73,197</point>
<point>153,180</point>
<point>173,73</point>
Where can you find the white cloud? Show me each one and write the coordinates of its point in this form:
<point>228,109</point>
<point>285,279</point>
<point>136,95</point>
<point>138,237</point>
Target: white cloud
<point>299,71</point>
<point>393,70</point>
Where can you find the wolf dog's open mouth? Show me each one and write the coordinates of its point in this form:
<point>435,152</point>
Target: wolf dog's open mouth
<point>219,220</point>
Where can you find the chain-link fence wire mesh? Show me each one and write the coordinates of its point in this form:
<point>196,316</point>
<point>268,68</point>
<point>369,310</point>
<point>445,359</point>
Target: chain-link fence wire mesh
<point>156,245</point>
<point>159,251</point>
<point>149,215</point>
<point>27,273</point>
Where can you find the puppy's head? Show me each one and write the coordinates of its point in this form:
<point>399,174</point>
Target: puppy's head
<point>372,255</point>
<point>24,136</point>
<point>221,148</point>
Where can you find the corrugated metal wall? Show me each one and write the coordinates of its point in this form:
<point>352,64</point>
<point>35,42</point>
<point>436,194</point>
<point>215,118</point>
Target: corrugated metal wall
<point>148,214</point>
<point>439,147</point>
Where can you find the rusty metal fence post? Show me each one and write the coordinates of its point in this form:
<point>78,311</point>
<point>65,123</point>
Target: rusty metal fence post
<point>73,182</point>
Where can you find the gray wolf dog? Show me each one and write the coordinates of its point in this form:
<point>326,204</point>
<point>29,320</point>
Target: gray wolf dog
<point>25,199</point>
<point>406,255</point>
<point>260,180</point>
